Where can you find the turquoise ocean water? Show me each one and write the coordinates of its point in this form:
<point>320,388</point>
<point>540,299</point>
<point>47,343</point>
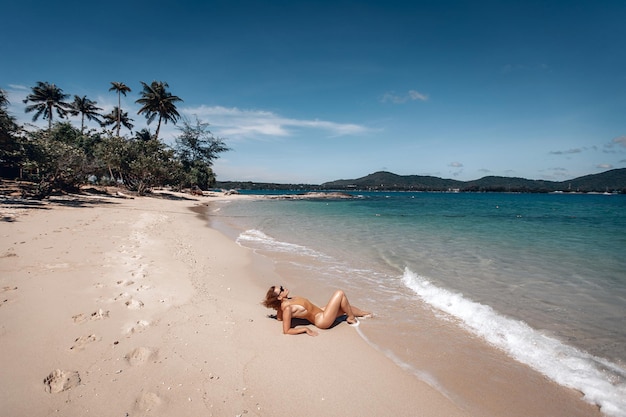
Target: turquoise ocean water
<point>540,276</point>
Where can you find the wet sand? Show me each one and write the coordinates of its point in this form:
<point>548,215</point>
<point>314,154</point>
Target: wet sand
<point>430,345</point>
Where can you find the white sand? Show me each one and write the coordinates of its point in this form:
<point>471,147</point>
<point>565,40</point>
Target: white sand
<point>133,307</point>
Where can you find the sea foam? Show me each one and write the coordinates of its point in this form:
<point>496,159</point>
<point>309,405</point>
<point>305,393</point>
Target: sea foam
<point>259,240</point>
<point>602,382</point>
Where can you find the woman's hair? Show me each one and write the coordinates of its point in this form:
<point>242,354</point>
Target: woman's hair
<point>271,299</point>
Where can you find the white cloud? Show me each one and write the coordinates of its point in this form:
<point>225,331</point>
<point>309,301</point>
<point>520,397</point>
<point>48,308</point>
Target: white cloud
<point>226,122</point>
<point>18,87</point>
<point>620,141</point>
<point>456,165</point>
<point>415,95</point>
<point>615,145</point>
<point>236,123</point>
<point>411,95</point>
<point>16,94</point>
<point>569,151</point>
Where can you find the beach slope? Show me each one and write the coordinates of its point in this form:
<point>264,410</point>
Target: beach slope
<point>134,307</point>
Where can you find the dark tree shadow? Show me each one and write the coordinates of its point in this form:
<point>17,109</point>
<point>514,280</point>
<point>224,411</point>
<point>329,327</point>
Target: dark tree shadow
<point>168,196</point>
<point>73,200</point>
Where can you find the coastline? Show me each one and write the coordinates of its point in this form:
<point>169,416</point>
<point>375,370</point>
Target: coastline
<point>480,378</point>
<point>135,307</point>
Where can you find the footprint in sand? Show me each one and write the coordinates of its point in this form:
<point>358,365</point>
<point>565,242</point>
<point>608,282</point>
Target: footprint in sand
<point>122,296</point>
<point>141,355</point>
<point>130,302</point>
<point>79,344</point>
<point>79,318</point>
<point>4,300</point>
<point>99,315</point>
<point>96,315</point>
<point>134,304</point>
<point>124,282</point>
<point>139,273</point>
<point>137,327</point>
<point>147,401</point>
<point>9,254</point>
<point>59,381</point>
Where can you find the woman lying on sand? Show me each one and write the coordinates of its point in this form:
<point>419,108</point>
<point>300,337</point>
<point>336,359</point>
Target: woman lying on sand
<point>287,308</point>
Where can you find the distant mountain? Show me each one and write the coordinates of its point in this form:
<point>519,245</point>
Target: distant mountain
<point>388,180</point>
<point>609,181</point>
<point>613,180</point>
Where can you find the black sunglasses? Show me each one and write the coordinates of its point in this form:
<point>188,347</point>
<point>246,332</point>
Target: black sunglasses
<point>281,289</point>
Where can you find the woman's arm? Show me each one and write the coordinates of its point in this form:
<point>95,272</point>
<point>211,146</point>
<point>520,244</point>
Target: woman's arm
<point>287,329</point>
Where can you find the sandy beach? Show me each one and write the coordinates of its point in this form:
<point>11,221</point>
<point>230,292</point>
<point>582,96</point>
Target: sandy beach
<point>134,307</point>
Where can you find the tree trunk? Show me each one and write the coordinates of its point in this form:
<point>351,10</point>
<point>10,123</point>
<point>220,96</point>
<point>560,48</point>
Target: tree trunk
<point>49,118</point>
<point>119,112</point>
<point>156,135</point>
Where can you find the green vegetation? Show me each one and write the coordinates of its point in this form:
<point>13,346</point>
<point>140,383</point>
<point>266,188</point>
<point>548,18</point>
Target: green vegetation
<point>86,108</point>
<point>613,181</point>
<point>121,88</point>
<point>47,98</point>
<point>197,149</point>
<point>63,157</point>
<point>157,101</point>
<point>610,181</point>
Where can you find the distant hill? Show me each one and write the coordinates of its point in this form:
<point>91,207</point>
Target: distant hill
<point>609,181</point>
<point>614,180</point>
<point>387,180</point>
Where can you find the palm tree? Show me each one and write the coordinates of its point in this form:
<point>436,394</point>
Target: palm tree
<point>7,128</point>
<point>156,100</point>
<point>121,88</point>
<point>86,108</point>
<point>117,117</point>
<point>143,135</point>
<point>47,98</point>
<point>4,100</point>
<point>6,120</point>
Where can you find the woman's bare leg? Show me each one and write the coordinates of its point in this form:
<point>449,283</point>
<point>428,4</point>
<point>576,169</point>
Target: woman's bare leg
<point>360,313</point>
<point>338,305</point>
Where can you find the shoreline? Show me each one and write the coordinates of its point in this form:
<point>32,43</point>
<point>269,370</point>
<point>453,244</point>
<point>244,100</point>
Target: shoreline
<point>465,368</point>
<point>127,307</point>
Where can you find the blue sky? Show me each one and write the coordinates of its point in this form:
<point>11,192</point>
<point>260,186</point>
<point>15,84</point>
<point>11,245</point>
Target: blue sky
<point>313,91</point>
